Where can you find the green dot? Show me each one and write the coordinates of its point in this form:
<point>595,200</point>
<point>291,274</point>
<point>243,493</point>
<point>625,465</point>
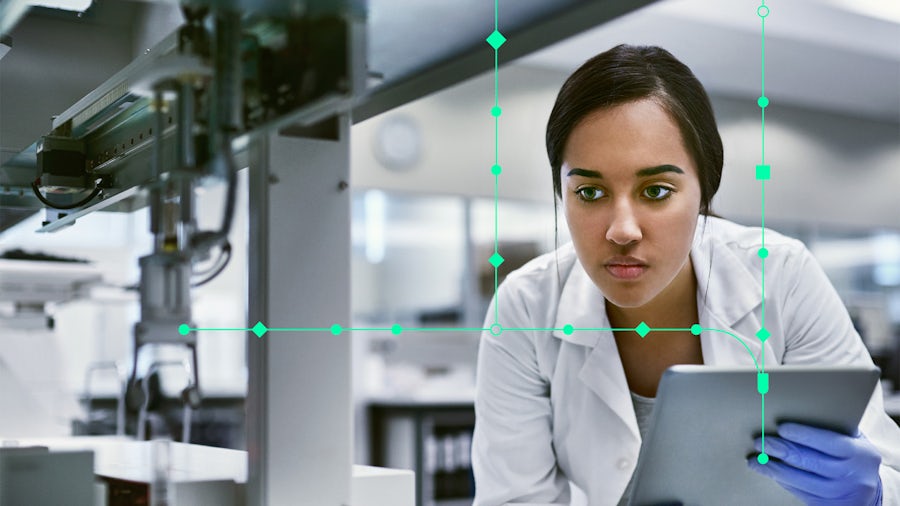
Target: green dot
<point>762,458</point>
<point>496,111</point>
<point>696,329</point>
<point>763,101</point>
<point>762,11</point>
<point>568,329</point>
<point>336,329</point>
<point>396,329</point>
<point>496,170</point>
<point>184,329</point>
<point>763,253</point>
<point>496,329</point>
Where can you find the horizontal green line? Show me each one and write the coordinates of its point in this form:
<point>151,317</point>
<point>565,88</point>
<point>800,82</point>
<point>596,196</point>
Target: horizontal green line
<point>209,329</point>
<point>575,329</point>
<point>290,329</point>
<point>444,329</point>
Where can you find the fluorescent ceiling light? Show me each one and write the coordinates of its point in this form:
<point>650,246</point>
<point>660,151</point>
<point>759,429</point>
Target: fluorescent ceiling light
<point>880,9</point>
<point>68,5</point>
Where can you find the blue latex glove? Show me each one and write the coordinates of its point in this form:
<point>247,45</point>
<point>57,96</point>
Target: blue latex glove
<point>822,467</point>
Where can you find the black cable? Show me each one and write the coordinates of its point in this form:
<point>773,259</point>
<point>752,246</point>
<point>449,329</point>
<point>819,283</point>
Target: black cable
<point>62,207</point>
<point>230,198</point>
<point>215,264</point>
<point>226,252</point>
<point>202,241</point>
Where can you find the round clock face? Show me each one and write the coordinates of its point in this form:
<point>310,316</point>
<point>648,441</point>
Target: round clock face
<point>398,143</point>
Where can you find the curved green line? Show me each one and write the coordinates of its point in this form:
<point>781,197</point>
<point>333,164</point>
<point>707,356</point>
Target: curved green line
<point>742,343</point>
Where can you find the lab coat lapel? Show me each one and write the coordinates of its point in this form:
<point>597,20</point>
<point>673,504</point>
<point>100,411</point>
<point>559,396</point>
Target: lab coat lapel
<point>602,371</point>
<point>727,293</point>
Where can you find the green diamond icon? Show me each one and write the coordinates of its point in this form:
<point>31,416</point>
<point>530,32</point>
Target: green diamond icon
<point>642,329</point>
<point>763,334</point>
<point>259,329</point>
<point>496,39</point>
<point>496,260</point>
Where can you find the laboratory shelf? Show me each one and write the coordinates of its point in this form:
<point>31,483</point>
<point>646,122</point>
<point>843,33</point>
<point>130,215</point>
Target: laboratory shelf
<point>432,438</point>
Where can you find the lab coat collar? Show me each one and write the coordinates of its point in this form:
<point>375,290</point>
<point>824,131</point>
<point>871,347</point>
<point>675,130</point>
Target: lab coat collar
<point>726,289</point>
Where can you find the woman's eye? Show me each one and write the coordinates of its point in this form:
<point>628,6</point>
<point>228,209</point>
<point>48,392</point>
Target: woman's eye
<point>657,192</point>
<point>588,193</point>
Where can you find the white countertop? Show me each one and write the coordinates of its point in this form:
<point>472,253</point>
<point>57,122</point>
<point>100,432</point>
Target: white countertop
<point>123,458</point>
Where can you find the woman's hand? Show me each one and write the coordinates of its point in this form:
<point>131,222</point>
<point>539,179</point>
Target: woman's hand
<point>822,467</point>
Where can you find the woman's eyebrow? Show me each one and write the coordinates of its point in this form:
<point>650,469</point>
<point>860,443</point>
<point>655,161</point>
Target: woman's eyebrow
<point>659,169</point>
<point>585,173</point>
<point>649,171</point>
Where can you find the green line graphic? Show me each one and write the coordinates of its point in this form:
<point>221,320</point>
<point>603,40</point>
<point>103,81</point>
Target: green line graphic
<point>643,329</point>
<point>763,173</point>
<point>496,39</point>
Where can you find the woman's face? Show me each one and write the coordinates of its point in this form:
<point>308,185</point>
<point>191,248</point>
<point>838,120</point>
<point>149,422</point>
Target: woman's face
<point>631,194</point>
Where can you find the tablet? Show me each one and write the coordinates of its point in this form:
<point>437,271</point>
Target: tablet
<point>705,419</point>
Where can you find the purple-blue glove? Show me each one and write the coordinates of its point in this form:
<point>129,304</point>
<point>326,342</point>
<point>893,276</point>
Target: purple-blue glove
<point>822,467</point>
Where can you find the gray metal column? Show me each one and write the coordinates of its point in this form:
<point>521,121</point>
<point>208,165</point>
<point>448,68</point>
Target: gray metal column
<point>299,409</point>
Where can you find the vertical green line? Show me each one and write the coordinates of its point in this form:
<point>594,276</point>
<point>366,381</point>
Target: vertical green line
<point>763,133</point>
<point>763,62</point>
<point>763,240</point>
<point>496,141</point>
<point>763,421</point>
<point>496,162</point>
<point>496,245</point>
<point>496,77</point>
<point>496,12</point>
<point>496,214</point>
<point>496,298</point>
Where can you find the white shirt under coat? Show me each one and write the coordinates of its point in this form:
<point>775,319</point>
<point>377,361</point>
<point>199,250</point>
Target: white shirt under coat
<point>553,408</point>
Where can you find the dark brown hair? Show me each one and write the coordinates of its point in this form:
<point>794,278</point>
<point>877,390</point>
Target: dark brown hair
<point>629,73</point>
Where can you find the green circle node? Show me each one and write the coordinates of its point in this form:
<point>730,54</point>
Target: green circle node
<point>496,170</point>
<point>696,329</point>
<point>336,329</point>
<point>763,253</point>
<point>568,329</point>
<point>184,329</point>
<point>496,329</point>
<point>763,101</point>
<point>762,11</point>
<point>762,458</point>
<point>396,329</point>
<point>496,111</point>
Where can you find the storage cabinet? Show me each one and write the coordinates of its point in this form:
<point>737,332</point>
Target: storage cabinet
<point>432,439</point>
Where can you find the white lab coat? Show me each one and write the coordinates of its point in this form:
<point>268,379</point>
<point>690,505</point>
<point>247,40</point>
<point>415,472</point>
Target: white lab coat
<point>553,408</point>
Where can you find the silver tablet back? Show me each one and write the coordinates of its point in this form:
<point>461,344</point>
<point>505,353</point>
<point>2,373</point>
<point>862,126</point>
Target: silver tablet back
<point>705,419</point>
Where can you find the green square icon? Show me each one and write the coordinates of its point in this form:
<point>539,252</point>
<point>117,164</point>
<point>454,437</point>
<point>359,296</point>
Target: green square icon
<point>763,172</point>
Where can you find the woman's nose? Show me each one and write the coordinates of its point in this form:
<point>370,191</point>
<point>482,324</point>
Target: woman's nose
<point>624,227</point>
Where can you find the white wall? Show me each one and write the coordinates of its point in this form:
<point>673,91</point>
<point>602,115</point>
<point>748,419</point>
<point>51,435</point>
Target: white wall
<point>458,139</point>
<point>826,168</point>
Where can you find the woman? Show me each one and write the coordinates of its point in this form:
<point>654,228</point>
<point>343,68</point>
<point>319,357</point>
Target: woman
<point>636,159</point>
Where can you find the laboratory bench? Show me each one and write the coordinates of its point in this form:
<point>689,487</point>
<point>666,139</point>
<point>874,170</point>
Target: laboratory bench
<point>42,471</point>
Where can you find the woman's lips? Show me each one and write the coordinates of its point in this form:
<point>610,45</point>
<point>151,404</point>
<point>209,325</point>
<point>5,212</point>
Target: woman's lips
<point>625,267</point>
<point>623,271</point>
